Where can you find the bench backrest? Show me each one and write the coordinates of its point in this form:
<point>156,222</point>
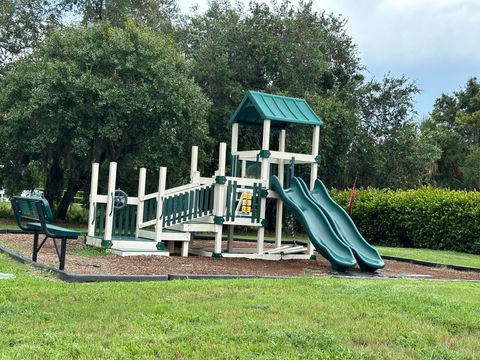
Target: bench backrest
<point>27,208</point>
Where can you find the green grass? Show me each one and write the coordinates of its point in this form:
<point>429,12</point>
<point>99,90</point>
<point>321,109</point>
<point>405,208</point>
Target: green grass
<point>89,251</point>
<point>309,318</point>
<point>438,256</point>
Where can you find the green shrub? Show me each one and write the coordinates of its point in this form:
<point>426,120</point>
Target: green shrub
<point>424,218</point>
<point>77,214</point>
<point>6,210</point>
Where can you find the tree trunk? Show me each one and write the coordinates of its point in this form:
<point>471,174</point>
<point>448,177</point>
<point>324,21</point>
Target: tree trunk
<point>55,181</point>
<point>76,182</point>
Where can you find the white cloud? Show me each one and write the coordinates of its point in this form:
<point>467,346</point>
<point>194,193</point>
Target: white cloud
<point>409,31</point>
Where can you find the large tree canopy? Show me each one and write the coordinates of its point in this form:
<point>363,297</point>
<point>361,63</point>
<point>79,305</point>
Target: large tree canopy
<point>23,25</point>
<point>454,125</point>
<point>98,93</point>
<point>279,49</point>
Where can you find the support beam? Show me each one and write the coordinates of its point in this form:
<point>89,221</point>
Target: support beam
<point>142,176</point>
<point>93,201</point>
<point>219,208</point>
<point>230,238</point>
<point>162,179</point>
<point>281,177</point>
<point>234,144</point>
<point>314,168</point>
<point>264,176</point>
<point>112,176</point>
<point>194,174</point>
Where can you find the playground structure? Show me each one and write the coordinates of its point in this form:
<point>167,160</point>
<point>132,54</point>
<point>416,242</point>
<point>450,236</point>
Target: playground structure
<point>151,224</point>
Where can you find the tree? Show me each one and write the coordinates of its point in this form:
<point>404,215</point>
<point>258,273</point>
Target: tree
<point>280,49</point>
<point>471,168</point>
<point>454,125</point>
<point>23,25</point>
<point>388,150</point>
<point>98,93</point>
<point>154,14</point>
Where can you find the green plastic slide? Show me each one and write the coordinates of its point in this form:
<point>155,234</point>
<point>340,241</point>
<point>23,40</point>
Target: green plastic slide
<point>316,224</point>
<point>367,256</point>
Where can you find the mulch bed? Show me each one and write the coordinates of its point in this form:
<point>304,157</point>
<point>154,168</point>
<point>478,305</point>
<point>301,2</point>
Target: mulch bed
<point>162,265</point>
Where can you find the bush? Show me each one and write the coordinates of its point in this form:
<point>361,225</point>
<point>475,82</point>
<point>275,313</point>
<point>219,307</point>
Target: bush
<point>77,214</point>
<point>425,218</point>
<point>6,210</point>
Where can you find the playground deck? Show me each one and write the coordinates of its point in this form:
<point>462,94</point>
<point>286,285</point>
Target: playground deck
<point>82,260</point>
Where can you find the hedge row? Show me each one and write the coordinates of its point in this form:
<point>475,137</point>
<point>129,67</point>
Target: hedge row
<point>425,218</point>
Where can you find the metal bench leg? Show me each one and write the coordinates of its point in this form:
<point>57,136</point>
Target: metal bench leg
<point>63,251</point>
<point>35,246</point>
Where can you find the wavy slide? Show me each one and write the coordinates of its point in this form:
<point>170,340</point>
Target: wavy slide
<point>367,256</point>
<point>316,224</point>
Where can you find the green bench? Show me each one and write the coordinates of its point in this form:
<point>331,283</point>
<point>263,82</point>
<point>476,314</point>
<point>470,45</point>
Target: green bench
<point>33,215</point>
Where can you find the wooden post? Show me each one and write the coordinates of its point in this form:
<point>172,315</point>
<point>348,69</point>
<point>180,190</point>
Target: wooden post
<point>314,168</point>
<point>219,209</point>
<point>162,178</point>
<point>281,176</point>
<point>194,165</point>
<point>112,175</point>
<point>264,176</point>
<point>142,176</point>
<point>93,200</point>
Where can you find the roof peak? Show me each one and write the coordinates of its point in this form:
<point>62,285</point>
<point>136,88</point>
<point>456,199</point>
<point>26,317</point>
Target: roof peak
<point>258,106</point>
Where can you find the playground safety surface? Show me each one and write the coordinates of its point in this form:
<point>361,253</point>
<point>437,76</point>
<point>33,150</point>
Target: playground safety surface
<point>78,263</point>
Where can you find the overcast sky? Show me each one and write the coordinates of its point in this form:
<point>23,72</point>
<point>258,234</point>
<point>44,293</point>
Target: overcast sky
<point>434,42</point>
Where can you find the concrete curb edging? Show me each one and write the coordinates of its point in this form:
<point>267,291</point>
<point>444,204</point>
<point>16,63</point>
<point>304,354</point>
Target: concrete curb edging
<point>82,278</point>
<point>432,264</point>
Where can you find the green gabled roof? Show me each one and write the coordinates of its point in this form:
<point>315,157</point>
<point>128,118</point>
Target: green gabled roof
<point>281,110</point>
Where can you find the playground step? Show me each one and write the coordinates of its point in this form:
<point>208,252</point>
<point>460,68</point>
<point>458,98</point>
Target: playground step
<point>140,244</point>
<point>138,252</point>
<point>167,235</point>
<point>195,227</point>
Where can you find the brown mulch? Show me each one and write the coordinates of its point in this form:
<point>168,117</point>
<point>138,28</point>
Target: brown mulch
<point>162,265</point>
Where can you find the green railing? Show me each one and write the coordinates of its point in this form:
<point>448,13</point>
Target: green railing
<point>176,208</point>
<point>188,205</point>
<point>234,195</point>
<point>124,221</point>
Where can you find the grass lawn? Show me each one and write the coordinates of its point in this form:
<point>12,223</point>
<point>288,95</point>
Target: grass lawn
<point>41,317</point>
<point>438,256</point>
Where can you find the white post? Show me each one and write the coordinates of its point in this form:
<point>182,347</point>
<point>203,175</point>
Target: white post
<point>314,168</point>
<point>234,148</point>
<point>264,176</point>
<point>244,168</point>
<point>234,137</point>
<point>219,209</point>
<point>162,178</point>
<point>112,175</point>
<point>194,165</point>
<point>281,176</point>
<point>142,176</point>
<point>93,195</point>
